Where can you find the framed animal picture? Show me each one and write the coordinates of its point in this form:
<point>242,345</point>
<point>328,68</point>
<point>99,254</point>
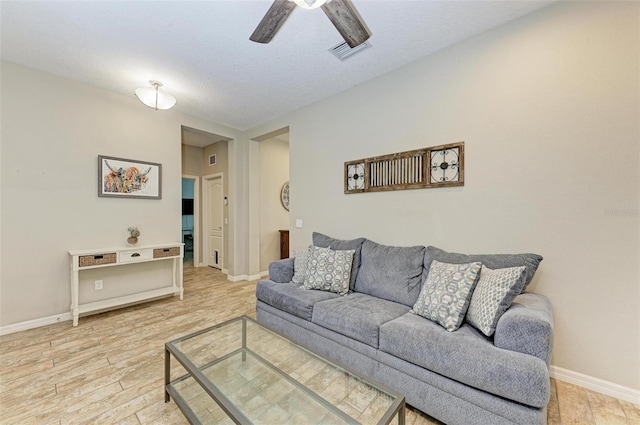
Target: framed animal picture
<point>128,178</point>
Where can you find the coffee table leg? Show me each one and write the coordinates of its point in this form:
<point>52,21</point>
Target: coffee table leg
<point>401,414</point>
<point>244,340</point>
<point>167,374</point>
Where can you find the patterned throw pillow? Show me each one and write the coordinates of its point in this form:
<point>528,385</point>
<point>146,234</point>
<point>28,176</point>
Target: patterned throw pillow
<point>300,259</point>
<point>325,241</point>
<point>446,293</point>
<point>493,295</point>
<point>328,270</point>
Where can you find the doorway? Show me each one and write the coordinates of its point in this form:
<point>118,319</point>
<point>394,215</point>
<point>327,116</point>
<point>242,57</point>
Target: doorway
<point>272,166</point>
<point>198,150</point>
<point>191,219</point>
<point>213,213</point>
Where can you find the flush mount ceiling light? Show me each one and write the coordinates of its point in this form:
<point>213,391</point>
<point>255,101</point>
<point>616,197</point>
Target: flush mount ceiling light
<point>310,4</point>
<point>154,98</point>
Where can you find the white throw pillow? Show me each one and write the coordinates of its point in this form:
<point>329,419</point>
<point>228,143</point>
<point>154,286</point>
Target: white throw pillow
<point>493,295</point>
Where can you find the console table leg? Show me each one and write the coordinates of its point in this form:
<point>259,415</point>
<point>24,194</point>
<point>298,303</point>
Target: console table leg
<point>75,280</point>
<point>180,276</point>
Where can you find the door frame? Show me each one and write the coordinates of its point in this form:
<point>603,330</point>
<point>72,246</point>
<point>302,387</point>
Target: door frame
<point>205,219</point>
<point>196,219</point>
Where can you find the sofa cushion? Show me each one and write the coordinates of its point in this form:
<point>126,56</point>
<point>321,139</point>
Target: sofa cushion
<point>325,241</point>
<point>357,316</point>
<point>446,293</point>
<point>493,295</point>
<point>290,297</point>
<point>328,270</point>
<point>494,261</point>
<point>391,272</point>
<point>469,357</point>
<point>281,270</point>
<point>527,326</point>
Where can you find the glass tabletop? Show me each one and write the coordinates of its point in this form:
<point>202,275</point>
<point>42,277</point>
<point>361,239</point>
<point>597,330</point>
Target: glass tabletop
<point>241,372</point>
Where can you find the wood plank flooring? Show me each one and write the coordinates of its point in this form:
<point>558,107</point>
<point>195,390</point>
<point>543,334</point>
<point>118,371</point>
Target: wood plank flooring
<point>109,370</point>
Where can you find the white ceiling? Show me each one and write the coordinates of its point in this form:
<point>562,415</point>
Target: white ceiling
<point>201,51</point>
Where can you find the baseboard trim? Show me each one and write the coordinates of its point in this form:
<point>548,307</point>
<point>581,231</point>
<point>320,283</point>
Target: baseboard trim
<point>264,273</point>
<point>241,277</point>
<point>36,323</point>
<point>237,278</point>
<point>595,384</point>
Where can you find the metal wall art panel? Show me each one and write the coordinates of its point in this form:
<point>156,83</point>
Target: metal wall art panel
<point>436,166</point>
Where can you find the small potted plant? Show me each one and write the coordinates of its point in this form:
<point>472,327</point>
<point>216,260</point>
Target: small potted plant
<point>134,235</point>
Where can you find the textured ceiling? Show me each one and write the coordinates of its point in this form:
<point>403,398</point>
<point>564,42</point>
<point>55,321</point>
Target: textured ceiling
<point>201,51</point>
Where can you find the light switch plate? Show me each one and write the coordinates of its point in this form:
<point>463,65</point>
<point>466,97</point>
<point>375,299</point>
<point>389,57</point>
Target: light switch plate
<point>299,223</point>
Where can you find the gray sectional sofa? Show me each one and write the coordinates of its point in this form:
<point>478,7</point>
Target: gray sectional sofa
<point>461,377</point>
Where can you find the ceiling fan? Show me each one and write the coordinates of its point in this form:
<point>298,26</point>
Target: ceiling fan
<point>342,14</point>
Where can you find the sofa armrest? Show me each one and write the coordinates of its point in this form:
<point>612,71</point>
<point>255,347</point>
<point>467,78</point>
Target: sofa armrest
<point>281,271</point>
<point>527,326</point>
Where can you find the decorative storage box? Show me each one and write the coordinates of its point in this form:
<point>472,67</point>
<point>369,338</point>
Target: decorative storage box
<point>96,260</point>
<point>166,252</point>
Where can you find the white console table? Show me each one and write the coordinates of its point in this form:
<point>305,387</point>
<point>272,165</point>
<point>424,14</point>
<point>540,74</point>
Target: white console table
<point>110,257</point>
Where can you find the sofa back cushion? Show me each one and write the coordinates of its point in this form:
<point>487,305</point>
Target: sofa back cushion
<point>325,241</point>
<point>493,261</point>
<point>392,273</point>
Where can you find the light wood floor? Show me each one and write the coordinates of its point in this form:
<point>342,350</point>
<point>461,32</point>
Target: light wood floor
<point>109,370</point>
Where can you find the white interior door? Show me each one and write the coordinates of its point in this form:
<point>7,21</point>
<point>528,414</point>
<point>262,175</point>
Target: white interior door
<point>215,219</point>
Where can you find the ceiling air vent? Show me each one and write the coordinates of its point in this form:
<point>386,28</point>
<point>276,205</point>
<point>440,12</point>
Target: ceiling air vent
<point>342,51</point>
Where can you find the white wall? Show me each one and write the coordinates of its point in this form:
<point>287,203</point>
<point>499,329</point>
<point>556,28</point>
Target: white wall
<point>548,107</point>
<point>191,159</point>
<point>274,173</point>
<point>53,129</point>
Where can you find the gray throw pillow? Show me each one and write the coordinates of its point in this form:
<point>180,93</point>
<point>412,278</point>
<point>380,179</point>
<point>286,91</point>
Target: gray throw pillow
<point>300,265</point>
<point>446,293</point>
<point>494,293</point>
<point>325,241</point>
<point>328,270</point>
<point>494,261</point>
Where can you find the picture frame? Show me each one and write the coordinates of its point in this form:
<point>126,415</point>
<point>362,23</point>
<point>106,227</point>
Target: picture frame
<point>129,178</point>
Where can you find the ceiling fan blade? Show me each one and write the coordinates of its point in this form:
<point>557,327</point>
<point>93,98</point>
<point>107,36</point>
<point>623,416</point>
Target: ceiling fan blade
<point>272,21</point>
<point>347,20</point>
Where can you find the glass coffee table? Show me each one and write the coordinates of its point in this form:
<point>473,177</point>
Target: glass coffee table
<point>241,372</point>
